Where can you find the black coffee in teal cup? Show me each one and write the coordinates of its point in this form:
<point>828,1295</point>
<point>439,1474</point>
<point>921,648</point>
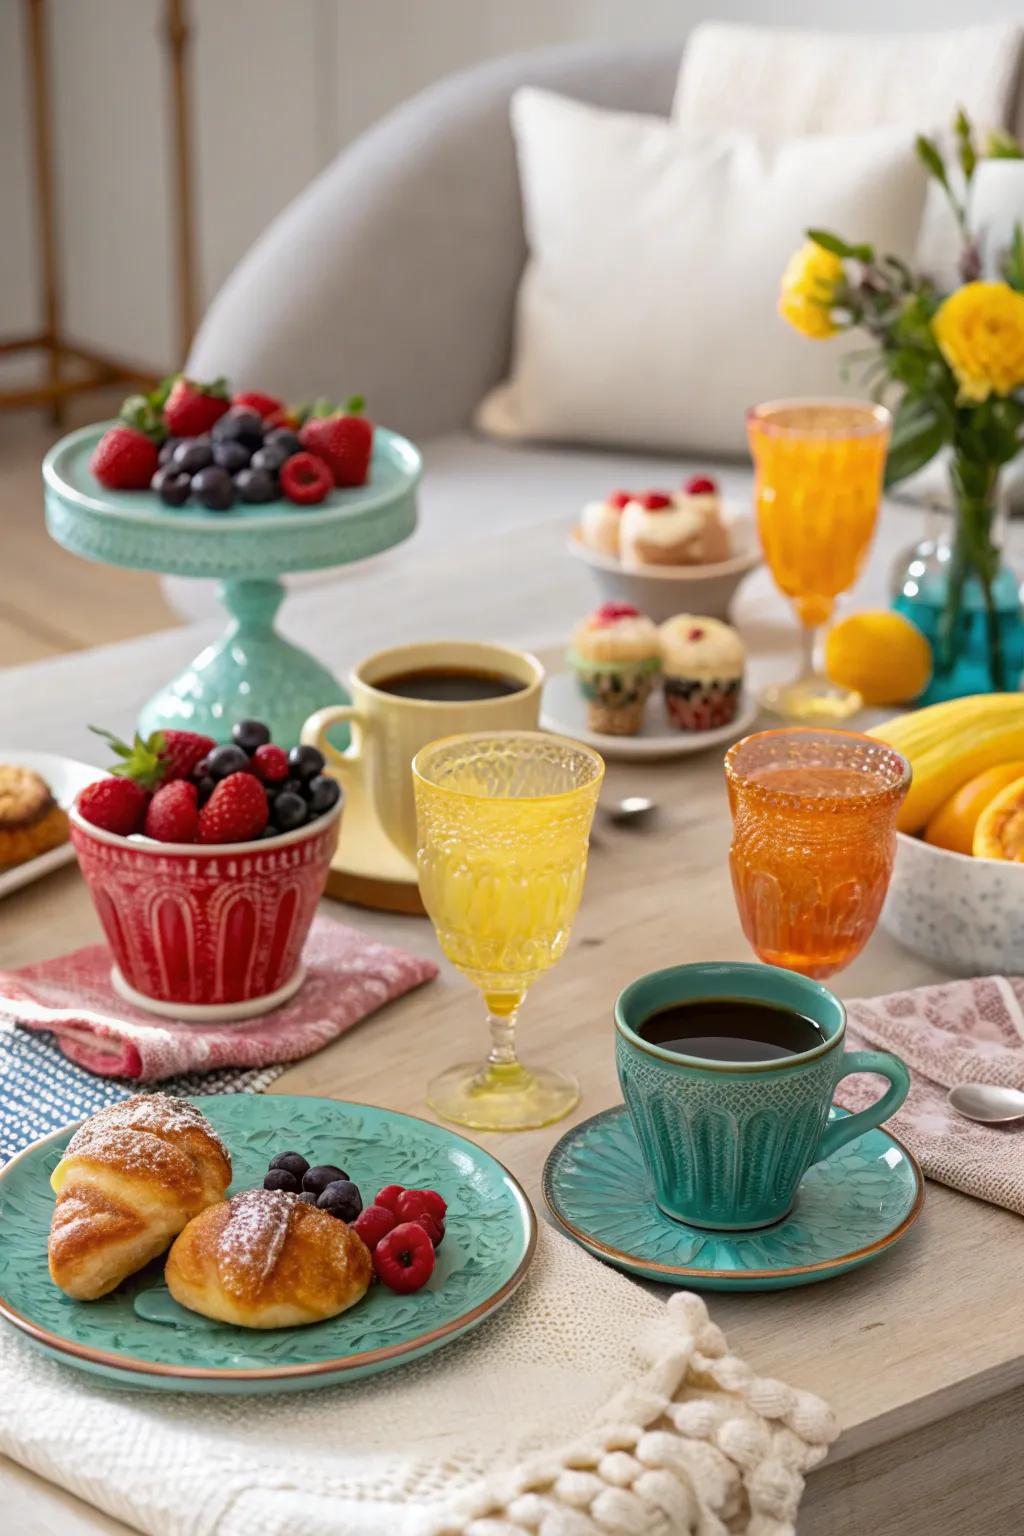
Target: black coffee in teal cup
<point>727,1141</point>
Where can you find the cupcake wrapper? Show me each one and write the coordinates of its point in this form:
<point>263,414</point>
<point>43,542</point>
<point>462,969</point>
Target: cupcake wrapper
<point>695,705</point>
<point>617,687</point>
<point>616,720</point>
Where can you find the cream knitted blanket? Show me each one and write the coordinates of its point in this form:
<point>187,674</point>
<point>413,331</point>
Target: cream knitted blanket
<point>586,1406</point>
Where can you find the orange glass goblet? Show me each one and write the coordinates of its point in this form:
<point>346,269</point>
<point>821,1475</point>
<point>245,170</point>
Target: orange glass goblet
<point>814,838</point>
<point>818,483</point>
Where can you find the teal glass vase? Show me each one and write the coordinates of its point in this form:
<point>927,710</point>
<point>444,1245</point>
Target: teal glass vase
<point>954,586</point>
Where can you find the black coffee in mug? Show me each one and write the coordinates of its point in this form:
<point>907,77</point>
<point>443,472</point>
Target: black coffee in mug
<point>450,685</point>
<point>731,1029</point>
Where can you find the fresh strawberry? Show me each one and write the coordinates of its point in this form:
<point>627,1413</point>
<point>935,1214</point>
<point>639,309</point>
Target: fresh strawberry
<point>344,440</point>
<point>404,1258</point>
<point>306,479</point>
<point>115,805</point>
<point>236,812</point>
<point>124,460</point>
<point>191,409</point>
<point>255,400</point>
<point>286,416</point>
<point>655,501</point>
<point>172,816</point>
<point>165,755</point>
<point>271,763</point>
<point>700,485</point>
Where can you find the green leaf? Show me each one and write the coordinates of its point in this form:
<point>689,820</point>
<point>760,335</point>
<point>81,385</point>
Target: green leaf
<point>1001,145</point>
<point>1013,260</point>
<point>919,430</point>
<point>354,404</point>
<point>966,152</point>
<point>842,248</point>
<point>928,154</point>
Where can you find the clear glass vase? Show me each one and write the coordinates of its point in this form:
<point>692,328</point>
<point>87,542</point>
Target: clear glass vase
<point>954,586</point>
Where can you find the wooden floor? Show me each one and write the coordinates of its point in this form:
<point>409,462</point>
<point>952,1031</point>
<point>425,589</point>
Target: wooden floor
<point>50,601</point>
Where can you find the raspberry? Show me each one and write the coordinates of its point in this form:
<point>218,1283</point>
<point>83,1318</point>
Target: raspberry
<point>373,1223</point>
<point>655,501</point>
<point>620,499</point>
<point>271,763</point>
<point>611,613</point>
<point>414,1203</point>
<point>305,479</point>
<point>432,1227</point>
<point>404,1258</point>
<point>700,485</point>
<point>388,1196</point>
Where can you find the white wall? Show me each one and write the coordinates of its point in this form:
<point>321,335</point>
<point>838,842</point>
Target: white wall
<point>278,88</point>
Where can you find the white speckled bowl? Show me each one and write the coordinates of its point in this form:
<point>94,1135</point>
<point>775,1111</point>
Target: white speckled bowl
<point>964,914</point>
<point>662,591</point>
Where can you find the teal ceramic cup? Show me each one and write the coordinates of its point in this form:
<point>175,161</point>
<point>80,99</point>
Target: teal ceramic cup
<point>727,1143</point>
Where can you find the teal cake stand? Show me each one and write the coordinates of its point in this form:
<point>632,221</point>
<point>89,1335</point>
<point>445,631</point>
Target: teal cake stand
<point>251,671</point>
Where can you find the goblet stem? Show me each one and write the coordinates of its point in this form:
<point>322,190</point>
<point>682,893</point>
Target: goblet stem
<point>503,1029</point>
<point>808,636</point>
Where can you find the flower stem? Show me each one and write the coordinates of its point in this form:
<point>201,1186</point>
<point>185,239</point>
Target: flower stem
<point>974,553</point>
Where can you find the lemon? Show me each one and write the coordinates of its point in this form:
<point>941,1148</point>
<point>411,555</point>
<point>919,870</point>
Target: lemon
<point>880,654</point>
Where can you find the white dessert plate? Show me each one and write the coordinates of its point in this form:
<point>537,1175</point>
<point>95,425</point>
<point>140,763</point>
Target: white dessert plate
<point>564,711</point>
<point>65,777</point>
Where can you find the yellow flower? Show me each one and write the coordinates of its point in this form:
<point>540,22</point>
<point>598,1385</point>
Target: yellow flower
<point>980,332</point>
<point>808,288</point>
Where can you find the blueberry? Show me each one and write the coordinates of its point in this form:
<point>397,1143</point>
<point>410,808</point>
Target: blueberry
<point>240,426</point>
<point>289,811</point>
<point>192,454</point>
<point>270,458</point>
<point>250,734</point>
<point>305,762</point>
<point>171,485</point>
<point>341,1199</point>
<point>214,489</point>
<point>167,448</point>
<point>280,1178</point>
<point>317,1179</point>
<point>308,1197</point>
<point>227,759</point>
<point>270,831</point>
<point>205,786</point>
<point>291,787</point>
<point>231,455</point>
<point>293,1162</point>
<point>285,438</point>
<point>321,794</point>
<point>256,486</point>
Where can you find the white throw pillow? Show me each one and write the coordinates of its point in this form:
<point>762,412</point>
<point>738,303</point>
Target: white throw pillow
<point>647,312</point>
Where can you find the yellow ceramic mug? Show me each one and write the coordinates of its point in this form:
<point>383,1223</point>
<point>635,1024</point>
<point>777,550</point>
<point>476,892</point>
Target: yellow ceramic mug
<point>388,729</point>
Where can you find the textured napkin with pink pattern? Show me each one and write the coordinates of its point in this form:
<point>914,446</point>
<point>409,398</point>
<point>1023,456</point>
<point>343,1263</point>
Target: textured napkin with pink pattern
<point>956,1032</point>
<point>348,976</point>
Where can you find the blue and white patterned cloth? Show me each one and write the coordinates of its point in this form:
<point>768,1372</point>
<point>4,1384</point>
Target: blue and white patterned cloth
<point>41,1090</point>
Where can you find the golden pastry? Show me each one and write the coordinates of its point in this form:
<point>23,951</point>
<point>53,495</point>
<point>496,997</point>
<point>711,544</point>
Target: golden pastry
<point>129,1180</point>
<point>31,821</point>
<point>268,1259</point>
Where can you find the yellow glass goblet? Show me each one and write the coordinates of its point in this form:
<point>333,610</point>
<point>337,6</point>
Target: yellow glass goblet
<point>819,467</point>
<point>503,828</point>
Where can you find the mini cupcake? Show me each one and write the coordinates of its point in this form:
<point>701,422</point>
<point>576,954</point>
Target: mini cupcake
<point>678,528</point>
<point>31,821</point>
<point>617,658</point>
<point>600,522</point>
<point>703,661</point>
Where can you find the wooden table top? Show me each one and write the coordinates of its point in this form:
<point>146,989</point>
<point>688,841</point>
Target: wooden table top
<point>931,1330</point>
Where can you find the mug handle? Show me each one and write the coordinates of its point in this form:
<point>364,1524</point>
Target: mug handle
<point>838,1132</point>
<point>348,765</point>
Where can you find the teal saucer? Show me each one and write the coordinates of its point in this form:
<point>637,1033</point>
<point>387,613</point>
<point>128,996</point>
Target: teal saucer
<point>848,1210</point>
<point>140,1337</point>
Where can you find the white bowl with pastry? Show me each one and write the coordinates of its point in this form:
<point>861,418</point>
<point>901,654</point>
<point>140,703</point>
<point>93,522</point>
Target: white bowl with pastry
<point>667,552</point>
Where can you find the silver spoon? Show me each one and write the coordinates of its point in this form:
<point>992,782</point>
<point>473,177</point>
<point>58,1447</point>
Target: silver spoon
<point>630,811</point>
<point>987,1103</point>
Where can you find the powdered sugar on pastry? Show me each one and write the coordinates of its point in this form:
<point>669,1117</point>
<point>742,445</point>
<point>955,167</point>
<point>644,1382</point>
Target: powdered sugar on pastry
<point>252,1238</point>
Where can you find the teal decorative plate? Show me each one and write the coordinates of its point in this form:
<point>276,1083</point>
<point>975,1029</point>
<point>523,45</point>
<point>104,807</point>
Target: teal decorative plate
<point>140,1337</point>
<point>848,1210</point>
<point>134,528</point>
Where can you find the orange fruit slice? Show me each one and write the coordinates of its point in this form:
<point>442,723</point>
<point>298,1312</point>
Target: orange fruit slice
<point>1000,830</point>
<point>954,823</point>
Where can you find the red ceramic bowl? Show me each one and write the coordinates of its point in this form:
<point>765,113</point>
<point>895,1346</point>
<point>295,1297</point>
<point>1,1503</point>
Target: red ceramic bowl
<point>204,931</point>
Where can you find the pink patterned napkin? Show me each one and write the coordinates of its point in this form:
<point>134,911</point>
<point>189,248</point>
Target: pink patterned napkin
<point>348,977</point>
<point>958,1032</point>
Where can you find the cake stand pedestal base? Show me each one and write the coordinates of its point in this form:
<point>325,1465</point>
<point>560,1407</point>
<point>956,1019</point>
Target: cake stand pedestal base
<point>251,672</point>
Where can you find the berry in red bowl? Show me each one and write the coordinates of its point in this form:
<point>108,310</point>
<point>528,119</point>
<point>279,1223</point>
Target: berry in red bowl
<point>203,931</point>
